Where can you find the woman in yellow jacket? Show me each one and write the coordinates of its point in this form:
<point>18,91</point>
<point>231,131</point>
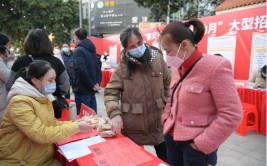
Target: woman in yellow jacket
<point>29,129</point>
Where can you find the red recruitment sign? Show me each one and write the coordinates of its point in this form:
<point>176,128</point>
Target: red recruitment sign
<point>234,35</point>
<point>238,28</point>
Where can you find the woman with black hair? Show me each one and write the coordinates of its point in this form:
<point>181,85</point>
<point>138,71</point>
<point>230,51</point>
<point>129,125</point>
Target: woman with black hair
<point>6,61</point>
<point>258,78</point>
<point>37,45</point>
<point>29,129</point>
<point>136,93</point>
<point>203,108</point>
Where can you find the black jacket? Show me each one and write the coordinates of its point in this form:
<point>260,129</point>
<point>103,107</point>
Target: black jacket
<point>62,84</point>
<point>86,65</point>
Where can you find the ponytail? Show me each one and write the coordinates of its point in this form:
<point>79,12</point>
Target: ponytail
<point>179,31</point>
<point>198,29</point>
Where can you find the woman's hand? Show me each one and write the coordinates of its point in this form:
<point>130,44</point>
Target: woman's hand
<point>117,124</point>
<point>85,126</point>
<point>193,145</point>
<point>97,87</point>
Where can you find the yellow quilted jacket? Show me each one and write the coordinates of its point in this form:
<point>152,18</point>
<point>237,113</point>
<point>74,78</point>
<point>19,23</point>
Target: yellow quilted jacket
<point>29,129</point>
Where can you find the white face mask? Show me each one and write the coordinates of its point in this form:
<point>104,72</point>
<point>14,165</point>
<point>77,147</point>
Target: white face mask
<point>66,49</point>
<point>175,61</point>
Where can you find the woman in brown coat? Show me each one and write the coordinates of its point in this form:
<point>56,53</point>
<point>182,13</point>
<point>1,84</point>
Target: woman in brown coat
<point>136,94</point>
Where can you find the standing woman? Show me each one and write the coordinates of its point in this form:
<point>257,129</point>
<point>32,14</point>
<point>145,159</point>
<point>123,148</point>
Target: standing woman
<point>6,61</point>
<point>38,46</point>
<point>136,93</point>
<point>203,107</point>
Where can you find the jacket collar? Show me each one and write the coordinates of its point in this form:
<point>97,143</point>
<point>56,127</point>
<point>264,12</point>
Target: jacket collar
<point>22,87</point>
<point>149,52</point>
<point>190,61</point>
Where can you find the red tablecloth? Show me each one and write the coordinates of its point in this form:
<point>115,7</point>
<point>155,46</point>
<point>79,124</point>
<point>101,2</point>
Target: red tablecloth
<point>88,159</point>
<point>106,75</point>
<point>258,98</point>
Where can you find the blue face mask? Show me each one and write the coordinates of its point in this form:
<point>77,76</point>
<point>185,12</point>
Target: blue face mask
<point>49,88</point>
<point>138,52</point>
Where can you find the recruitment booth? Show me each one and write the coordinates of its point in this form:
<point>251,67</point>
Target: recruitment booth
<point>239,36</point>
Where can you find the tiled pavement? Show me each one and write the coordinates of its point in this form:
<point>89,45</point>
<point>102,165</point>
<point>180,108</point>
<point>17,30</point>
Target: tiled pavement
<point>237,150</point>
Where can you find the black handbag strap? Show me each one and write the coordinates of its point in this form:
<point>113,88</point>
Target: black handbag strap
<point>182,78</point>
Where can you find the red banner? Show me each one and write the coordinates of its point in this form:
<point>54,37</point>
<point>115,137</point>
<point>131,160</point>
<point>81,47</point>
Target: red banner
<point>242,24</point>
<point>232,34</point>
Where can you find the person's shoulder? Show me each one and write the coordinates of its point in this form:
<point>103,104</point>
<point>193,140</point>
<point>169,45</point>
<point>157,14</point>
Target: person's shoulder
<point>56,63</point>
<point>155,51</point>
<point>22,98</point>
<point>214,60</point>
<point>20,62</point>
<point>80,50</point>
<point>210,63</point>
<point>23,58</point>
<point>153,48</point>
<point>53,59</point>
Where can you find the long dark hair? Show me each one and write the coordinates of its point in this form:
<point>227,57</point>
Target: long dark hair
<point>179,31</point>
<point>38,43</point>
<point>125,35</point>
<point>37,69</point>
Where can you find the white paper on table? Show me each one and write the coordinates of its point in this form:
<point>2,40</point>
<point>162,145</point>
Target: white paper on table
<point>80,148</point>
<point>93,140</point>
<point>59,151</point>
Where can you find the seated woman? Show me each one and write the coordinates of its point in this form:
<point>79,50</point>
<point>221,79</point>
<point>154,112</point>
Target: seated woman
<point>29,129</point>
<point>258,78</point>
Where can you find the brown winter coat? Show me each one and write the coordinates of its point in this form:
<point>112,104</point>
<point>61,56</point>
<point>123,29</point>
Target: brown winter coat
<point>140,99</point>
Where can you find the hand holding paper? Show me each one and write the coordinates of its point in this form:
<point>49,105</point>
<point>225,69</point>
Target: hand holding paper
<point>85,127</point>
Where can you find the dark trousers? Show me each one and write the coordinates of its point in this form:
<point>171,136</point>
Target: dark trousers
<point>161,151</point>
<point>180,153</point>
<point>88,100</point>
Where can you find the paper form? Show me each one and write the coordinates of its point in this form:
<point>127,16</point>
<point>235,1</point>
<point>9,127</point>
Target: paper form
<point>79,148</point>
<point>121,151</point>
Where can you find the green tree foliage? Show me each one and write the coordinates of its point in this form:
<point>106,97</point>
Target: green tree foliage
<point>159,8</point>
<point>197,8</point>
<point>54,16</point>
<point>201,8</point>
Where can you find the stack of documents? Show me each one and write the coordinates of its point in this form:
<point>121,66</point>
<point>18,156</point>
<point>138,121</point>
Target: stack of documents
<point>80,148</point>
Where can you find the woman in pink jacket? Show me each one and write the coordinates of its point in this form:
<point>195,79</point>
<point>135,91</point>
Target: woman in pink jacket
<point>203,108</point>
